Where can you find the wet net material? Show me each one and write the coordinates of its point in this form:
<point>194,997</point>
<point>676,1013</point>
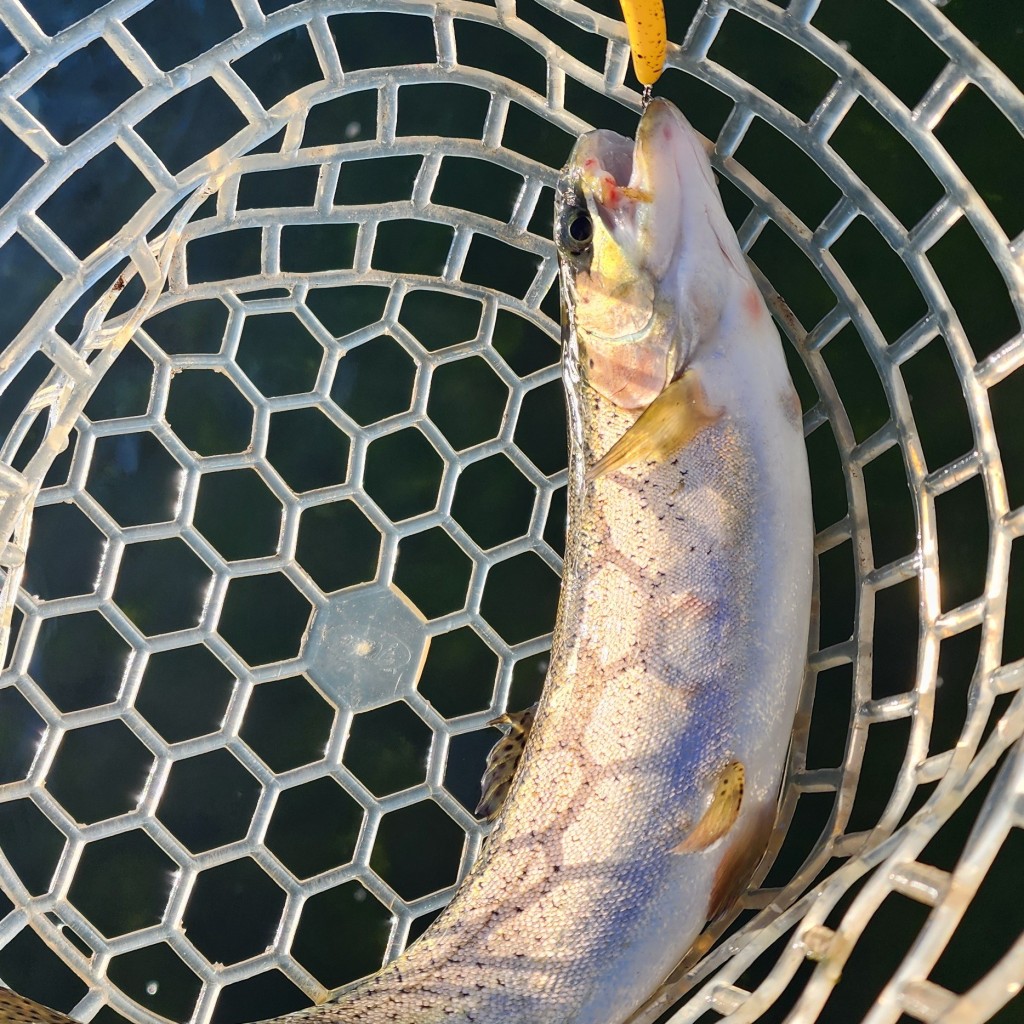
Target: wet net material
<point>283,483</point>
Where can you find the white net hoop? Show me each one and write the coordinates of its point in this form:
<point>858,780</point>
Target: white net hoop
<point>878,807</point>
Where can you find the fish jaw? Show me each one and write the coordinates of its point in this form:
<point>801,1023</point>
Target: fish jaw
<point>609,315</point>
<point>651,281</point>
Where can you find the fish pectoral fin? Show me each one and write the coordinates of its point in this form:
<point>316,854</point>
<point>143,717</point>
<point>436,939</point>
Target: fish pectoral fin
<point>502,761</point>
<point>15,1009</point>
<point>722,812</point>
<point>669,423</point>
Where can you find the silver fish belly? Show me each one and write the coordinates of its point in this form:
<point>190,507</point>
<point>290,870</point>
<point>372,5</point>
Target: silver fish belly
<point>648,786</point>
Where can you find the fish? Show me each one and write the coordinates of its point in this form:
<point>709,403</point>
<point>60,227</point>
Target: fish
<point>647,786</point>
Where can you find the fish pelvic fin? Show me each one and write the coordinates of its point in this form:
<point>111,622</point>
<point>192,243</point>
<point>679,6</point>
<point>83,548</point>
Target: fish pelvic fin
<point>668,424</point>
<point>15,1009</point>
<point>741,858</point>
<point>721,813</point>
<point>502,761</point>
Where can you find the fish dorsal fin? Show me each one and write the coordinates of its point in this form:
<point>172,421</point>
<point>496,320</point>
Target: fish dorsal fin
<point>503,760</point>
<point>721,813</point>
<point>15,1009</point>
<point>670,422</point>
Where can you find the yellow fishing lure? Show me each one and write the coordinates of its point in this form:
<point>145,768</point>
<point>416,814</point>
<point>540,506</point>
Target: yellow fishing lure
<point>645,23</point>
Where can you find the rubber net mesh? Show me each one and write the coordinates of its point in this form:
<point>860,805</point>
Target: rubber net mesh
<point>283,483</point>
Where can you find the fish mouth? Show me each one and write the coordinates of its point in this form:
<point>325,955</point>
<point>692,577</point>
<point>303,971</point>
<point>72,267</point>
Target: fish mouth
<point>635,189</point>
<point>631,221</point>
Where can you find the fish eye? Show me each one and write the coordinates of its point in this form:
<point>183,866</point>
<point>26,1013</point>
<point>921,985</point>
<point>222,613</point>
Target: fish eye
<point>579,230</point>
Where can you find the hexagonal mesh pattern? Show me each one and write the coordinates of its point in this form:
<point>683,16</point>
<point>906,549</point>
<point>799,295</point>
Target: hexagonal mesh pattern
<point>283,483</point>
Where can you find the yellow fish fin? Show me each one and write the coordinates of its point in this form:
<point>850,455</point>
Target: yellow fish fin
<point>671,421</point>
<point>502,761</point>
<point>722,812</point>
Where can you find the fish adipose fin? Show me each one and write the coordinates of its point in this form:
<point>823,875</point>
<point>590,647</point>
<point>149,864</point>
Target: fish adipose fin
<point>15,1009</point>
<point>722,812</point>
<point>669,423</point>
<point>503,760</point>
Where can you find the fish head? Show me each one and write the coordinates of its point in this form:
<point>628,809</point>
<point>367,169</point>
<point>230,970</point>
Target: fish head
<point>640,254</point>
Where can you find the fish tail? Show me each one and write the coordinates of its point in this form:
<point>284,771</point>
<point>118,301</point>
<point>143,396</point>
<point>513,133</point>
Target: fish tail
<point>15,1009</point>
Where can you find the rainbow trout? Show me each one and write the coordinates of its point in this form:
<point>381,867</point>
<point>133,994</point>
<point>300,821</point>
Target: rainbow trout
<point>649,781</point>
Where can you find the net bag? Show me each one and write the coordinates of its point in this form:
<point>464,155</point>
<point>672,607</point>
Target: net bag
<point>282,482</point>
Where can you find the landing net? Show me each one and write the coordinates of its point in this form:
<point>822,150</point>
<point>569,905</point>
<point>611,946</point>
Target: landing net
<point>283,483</point>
